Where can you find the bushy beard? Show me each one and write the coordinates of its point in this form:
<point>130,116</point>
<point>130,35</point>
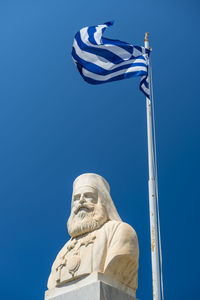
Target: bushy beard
<point>86,221</point>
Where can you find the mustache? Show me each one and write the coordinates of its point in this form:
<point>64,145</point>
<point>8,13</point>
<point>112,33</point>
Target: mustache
<point>87,207</point>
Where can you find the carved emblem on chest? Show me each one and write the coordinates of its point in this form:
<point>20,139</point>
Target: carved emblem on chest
<point>73,263</point>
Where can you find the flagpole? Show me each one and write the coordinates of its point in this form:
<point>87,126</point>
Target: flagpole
<point>152,199</point>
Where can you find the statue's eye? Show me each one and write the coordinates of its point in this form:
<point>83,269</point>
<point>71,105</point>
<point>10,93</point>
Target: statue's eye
<point>89,195</point>
<point>76,197</point>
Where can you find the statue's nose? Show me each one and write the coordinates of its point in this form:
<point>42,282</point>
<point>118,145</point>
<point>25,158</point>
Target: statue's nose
<point>82,199</point>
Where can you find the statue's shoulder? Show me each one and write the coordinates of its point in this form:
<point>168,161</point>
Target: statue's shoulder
<point>120,235</point>
<point>51,281</point>
<point>119,227</point>
<point>61,254</point>
<point>122,253</point>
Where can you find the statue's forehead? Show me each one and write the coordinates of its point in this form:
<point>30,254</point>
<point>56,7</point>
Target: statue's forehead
<point>84,189</point>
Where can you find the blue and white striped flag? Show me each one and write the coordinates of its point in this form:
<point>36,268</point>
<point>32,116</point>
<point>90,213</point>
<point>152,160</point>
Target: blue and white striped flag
<point>101,60</point>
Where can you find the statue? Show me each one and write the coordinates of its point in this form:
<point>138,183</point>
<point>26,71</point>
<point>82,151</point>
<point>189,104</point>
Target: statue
<point>100,241</point>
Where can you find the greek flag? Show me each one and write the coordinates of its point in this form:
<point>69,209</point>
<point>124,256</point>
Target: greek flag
<point>101,60</point>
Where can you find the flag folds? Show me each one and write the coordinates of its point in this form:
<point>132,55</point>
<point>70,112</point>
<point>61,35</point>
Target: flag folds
<point>101,60</point>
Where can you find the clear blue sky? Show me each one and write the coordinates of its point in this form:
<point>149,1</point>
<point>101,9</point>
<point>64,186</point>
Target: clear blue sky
<point>54,126</point>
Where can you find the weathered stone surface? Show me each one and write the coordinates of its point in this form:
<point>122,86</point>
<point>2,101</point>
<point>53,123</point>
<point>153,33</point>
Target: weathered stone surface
<point>100,242</point>
<point>95,287</point>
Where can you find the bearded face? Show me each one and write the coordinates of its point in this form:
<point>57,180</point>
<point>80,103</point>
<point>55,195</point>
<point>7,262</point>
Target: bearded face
<point>87,211</point>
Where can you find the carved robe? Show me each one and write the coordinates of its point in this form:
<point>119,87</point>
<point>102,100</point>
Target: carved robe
<point>112,249</point>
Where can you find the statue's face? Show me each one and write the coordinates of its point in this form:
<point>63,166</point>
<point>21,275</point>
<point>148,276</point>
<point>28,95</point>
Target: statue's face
<point>84,200</point>
<point>87,211</point>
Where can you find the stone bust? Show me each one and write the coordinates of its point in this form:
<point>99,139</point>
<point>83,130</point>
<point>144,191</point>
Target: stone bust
<point>100,241</point>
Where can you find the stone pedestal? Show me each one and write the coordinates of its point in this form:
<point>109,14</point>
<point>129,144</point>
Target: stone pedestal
<point>96,286</point>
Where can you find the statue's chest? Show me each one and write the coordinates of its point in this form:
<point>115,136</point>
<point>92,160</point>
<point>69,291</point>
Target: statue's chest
<point>83,256</point>
<point>80,256</point>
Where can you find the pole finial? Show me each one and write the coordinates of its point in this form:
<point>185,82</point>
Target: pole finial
<point>146,36</point>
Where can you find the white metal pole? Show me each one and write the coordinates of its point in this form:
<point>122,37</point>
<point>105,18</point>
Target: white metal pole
<point>152,200</point>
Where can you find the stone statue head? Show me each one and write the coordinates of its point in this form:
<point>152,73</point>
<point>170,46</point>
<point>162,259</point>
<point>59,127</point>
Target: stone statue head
<point>91,205</point>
